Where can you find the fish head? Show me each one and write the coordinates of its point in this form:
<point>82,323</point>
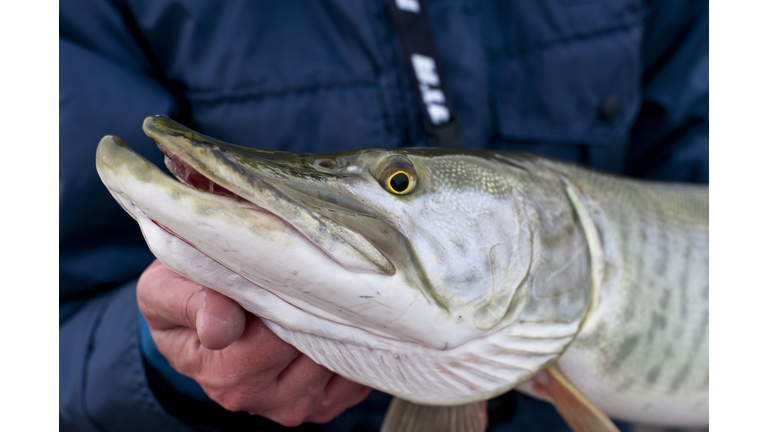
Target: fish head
<point>419,245</point>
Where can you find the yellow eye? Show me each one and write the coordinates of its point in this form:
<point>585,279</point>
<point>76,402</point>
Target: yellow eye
<point>398,182</point>
<point>399,178</point>
<point>396,174</point>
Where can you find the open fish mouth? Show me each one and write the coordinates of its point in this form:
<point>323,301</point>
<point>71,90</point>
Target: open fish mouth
<point>187,174</point>
<point>259,178</point>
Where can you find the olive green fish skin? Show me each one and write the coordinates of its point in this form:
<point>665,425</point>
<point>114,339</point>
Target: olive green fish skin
<point>494,266</point>
<point>647,333</point>
<point>643,346</point>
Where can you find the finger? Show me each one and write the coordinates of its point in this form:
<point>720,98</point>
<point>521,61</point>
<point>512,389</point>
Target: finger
<point>296,393</point>
<point>220,321</point>
<point>166,298</point>
<point>169,300</point>
<point>303,377</point>
<point>236,376</point>
<point>340,394</point>
<point>260,349</point>
<point>344,391</point>
<point>182,348</point>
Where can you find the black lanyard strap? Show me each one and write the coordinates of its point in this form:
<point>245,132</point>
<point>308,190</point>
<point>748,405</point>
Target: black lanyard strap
<point>412,28</point>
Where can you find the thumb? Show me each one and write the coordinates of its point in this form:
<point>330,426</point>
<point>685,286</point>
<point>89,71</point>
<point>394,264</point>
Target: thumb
<point>220,320</point>
<point>170,301</point>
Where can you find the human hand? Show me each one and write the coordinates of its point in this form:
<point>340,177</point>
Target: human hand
<point>235,358</point>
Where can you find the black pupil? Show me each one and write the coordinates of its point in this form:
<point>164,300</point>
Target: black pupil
<point>399,182</point>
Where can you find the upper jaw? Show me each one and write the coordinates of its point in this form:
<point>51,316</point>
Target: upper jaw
<point>224,169</point>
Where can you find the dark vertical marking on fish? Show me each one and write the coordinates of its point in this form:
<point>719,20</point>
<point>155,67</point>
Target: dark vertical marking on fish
<point>698,340</point>
<point>684,282</point>
<point>661,240</point>
<point>643,243</point>
<point>653,375</point>
<point>664,301</point>
<point>626,385</point>
<point>702,331</point>
<point>681,376</point>
<point>625,349</point>
<point>669,352</point>
<point>639,268</point>
<point>658,324</point>
<point>638,281</point>
<point>593,340</point>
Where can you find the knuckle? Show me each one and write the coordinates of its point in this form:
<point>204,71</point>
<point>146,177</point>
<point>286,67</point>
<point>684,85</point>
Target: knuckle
<point>327,416</point>
<point>362,394</point>
<point>188,367</point>
<point>289,419</point>
<point>185,358</point>
<point>233,397</point>
<point>292,415</point>
<point>189,308</point>
<point>233,401</point>
<point>229,405</point>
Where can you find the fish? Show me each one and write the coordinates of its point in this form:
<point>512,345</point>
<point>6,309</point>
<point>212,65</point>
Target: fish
<point>445,277</point>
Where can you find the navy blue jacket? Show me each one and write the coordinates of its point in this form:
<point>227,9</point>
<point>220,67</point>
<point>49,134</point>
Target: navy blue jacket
<point>619,85</point>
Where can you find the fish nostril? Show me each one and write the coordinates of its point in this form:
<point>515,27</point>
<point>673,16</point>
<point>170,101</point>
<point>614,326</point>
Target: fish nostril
<point>327,163</point>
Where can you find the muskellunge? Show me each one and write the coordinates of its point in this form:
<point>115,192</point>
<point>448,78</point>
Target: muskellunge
<point>445,278</point>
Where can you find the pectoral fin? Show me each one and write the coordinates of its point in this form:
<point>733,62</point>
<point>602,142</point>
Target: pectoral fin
<point>577,411</point>
<point>404,416</point>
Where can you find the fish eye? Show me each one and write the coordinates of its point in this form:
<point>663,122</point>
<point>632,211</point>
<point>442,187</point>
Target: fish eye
<point>399,182</point>
<point>399,179</point>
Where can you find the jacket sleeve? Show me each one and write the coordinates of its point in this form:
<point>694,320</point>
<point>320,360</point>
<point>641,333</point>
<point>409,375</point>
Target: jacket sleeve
<point>111,376</point>
<point>106,87</point>
<point>102,380</point>
<point>670,139</point>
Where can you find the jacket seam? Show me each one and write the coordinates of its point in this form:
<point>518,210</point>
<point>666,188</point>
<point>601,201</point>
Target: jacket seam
<point>145,392</point>
<point>87,363</point>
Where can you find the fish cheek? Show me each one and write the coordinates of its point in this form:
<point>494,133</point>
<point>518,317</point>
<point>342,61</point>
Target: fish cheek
<point>504,308</point>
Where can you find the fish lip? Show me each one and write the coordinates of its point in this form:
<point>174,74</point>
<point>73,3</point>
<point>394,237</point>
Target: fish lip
<point>182,170</point>
<point>344,245</point>
<point>173,159</point>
